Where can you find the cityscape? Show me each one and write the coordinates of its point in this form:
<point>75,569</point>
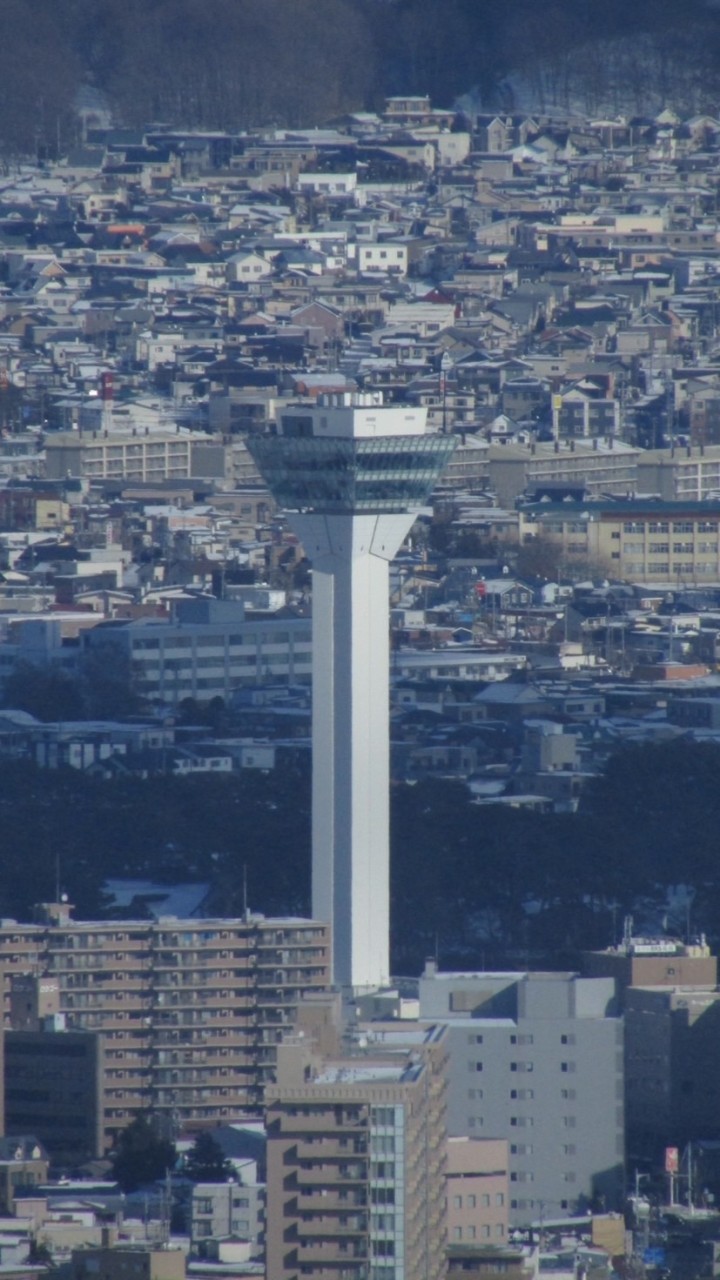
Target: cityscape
<point>360,677</point>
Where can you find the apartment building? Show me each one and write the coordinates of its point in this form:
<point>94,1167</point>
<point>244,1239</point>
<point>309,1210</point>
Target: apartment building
<point>680,475</point>
<point>598,467</point>
<point>467,470</point>
<point>536,1059</point>
<point>356,1162</point>
<point>665,543</point>
<point>209,650</point>
<point>221,1210</point>
<point>133,454</point>
<point>579,414</point>
<point>189,1012</point>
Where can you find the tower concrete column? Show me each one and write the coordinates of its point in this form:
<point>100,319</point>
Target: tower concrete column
<point>351,741</point>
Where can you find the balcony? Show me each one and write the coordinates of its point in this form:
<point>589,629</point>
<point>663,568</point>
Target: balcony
<point>331,1202</point>
<point>326,1226</point>
<point>327,1124</point>
<point>331,1176</point>
<point>329,1255</point>
<point>332,1148</point>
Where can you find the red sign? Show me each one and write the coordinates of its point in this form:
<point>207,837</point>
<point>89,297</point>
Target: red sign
<point>672,1159</point>
<point>480,589</point>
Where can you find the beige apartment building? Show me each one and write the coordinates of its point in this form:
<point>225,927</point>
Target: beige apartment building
<point>189,1012</point>
<point>664,543</point>
<point>356,1165</point>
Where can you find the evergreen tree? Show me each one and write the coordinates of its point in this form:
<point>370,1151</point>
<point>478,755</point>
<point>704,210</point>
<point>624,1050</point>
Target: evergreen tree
<point>141,1154</point>
<point>205,1162</point>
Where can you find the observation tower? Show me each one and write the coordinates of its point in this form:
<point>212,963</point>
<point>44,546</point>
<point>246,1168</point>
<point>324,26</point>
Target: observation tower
<point>351,474</point>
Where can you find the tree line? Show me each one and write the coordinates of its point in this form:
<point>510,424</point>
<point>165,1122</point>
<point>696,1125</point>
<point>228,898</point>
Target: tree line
<point>236,64</point>
<point>474,884</point>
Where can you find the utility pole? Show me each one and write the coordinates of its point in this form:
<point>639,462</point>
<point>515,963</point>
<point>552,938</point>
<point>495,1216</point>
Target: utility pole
<point>445,367</point>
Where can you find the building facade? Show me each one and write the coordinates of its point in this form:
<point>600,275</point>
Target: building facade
<point>131,455</point>
<point>478,1191</point>
<point>598,467</point>
<point>356,1161</point>
<point>668,543</point>
<point>209,650</point>
<point>537,1059</point>
<point>189,1012</point>
<point>680,474</point>
<point>227,1210</point>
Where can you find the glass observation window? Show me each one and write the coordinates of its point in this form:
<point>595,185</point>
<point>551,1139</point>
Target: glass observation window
<point>344,476</point>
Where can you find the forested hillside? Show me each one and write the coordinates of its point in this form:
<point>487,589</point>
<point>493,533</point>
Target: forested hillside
<point>238,63</point>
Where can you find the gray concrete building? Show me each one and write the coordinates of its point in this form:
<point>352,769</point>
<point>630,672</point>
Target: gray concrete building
<point>209,650</point>
<point>537,1058</point>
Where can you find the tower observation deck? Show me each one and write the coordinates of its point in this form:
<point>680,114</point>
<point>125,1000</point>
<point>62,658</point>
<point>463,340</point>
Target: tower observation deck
<point>351,474</point>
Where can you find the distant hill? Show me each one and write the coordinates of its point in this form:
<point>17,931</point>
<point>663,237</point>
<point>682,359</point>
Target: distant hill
<point>239,63</point>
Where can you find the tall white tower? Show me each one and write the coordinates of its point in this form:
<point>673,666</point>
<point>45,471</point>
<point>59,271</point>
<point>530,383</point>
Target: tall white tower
<point>351,474</point>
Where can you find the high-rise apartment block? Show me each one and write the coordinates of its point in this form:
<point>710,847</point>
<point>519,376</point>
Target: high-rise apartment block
<point>189,1012</point>
<point>356,1164</point>
<point>352,473</point>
